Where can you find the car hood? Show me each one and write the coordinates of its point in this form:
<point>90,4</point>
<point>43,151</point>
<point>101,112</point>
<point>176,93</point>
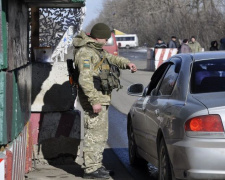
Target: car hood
<point>211,100</point>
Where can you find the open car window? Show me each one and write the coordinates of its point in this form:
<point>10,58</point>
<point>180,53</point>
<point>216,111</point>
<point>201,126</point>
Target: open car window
<point>168,82</point>
<point>156,77</point>
<point>165,77</point>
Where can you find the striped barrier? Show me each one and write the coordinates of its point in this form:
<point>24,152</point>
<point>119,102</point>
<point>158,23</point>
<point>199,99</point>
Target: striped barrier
<point>163,54</point>
<point>14,157</point>
<point>29,148</point>
<point>2,166</point>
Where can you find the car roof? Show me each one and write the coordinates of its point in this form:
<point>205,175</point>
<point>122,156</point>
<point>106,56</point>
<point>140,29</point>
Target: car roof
<point>208,55</point>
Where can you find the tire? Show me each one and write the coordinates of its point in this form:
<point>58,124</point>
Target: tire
<point>127,47</point>
<point>134,158</point>
<point>165,171</point>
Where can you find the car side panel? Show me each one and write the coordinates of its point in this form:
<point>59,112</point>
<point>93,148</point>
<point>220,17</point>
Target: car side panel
<point>139,124</point>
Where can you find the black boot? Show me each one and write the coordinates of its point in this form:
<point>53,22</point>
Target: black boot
<point>98,174</point>
<point>104,170</point>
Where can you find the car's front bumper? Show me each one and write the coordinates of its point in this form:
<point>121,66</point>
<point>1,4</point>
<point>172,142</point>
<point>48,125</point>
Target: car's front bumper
<point>194,158</point>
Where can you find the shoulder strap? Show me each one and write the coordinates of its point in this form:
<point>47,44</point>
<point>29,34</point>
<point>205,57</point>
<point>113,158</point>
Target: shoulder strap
<point>100,63</point>
<point>101,57</point>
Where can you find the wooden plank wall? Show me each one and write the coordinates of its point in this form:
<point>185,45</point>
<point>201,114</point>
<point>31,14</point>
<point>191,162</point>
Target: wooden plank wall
<point>17,34</point>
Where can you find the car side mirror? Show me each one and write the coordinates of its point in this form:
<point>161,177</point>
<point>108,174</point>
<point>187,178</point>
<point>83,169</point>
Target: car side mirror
<point>135,90</point>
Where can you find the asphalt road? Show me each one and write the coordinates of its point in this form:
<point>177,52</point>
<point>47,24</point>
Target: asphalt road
<point>121,103</point>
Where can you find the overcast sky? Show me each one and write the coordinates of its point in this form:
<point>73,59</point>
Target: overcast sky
<point>93,8</point>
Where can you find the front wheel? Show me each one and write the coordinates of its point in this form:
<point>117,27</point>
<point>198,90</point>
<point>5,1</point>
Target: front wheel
<point>134,158</point>
<point>165,171</point>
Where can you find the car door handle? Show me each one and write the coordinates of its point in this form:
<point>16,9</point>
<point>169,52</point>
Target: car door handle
<point>157,112</point>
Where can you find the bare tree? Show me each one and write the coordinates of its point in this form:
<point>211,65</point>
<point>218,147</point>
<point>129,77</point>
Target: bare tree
<point>151,19</point>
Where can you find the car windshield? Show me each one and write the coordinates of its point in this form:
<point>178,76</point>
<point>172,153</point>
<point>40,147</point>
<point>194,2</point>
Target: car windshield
<point>208,76</point>
<point>109,42</point>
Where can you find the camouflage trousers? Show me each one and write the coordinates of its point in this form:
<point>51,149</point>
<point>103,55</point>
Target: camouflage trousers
<point>95,138</point>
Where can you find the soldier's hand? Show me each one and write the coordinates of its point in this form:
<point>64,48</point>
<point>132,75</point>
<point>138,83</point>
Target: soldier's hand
<point>132,67</point>
<point>97,108</point>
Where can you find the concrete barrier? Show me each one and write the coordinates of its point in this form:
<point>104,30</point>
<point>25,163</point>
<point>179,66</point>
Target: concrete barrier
<point>13,158</point>
<point>155,57</point>
<point>163,54</point>
<point>150,59</point>
<point>56,133</point>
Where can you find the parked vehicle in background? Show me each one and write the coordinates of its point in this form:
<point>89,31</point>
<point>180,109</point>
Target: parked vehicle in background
<point>111,45</point>
<point>178,122</point>
<point>127,40</point>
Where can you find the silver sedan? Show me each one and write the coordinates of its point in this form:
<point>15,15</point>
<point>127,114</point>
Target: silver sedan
<point>178,122</point>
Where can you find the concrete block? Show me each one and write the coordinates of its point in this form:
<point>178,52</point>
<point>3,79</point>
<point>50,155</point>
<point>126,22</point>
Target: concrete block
<point>56,133</point>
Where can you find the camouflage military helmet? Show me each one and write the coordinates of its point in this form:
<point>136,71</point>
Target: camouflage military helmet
<point>100,31</point>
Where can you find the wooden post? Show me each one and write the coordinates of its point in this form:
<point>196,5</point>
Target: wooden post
<point>34,30</point>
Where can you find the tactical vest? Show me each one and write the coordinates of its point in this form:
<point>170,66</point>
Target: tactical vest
<point>108,78</point>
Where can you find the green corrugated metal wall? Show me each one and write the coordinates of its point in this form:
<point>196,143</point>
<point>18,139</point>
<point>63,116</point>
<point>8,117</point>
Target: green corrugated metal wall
<point>3,65</point>
<point>3,122</point>
<point>21,99</point>
<point>3,53</point>
<point>17,121</point>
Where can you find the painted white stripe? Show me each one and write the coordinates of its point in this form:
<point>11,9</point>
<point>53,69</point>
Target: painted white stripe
<point>166,53</point>
<point>158,53</point>
<point>2,169</point>
<point>156,63</point>
<point>174,52</point>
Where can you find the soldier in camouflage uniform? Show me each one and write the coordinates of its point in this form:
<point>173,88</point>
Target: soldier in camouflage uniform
<point>95,102</point>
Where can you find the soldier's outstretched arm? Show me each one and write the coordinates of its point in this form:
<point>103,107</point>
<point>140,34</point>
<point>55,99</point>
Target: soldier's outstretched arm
<point>121,62</point>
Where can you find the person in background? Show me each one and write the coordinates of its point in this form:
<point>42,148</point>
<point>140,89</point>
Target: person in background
<point>185,47</point>
<point>172,43</point>
<point>214,46</point>
<point>160,44</point>
<point>222,44</point>
<point>194,45</point>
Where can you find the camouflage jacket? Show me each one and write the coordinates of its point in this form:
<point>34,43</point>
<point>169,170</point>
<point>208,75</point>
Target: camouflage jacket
<point>86,58</point>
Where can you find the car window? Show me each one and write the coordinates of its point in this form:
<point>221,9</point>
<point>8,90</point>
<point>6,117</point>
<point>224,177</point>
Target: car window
<point>208,76</point>
<point>156,77</point>
<point>169,81</point>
